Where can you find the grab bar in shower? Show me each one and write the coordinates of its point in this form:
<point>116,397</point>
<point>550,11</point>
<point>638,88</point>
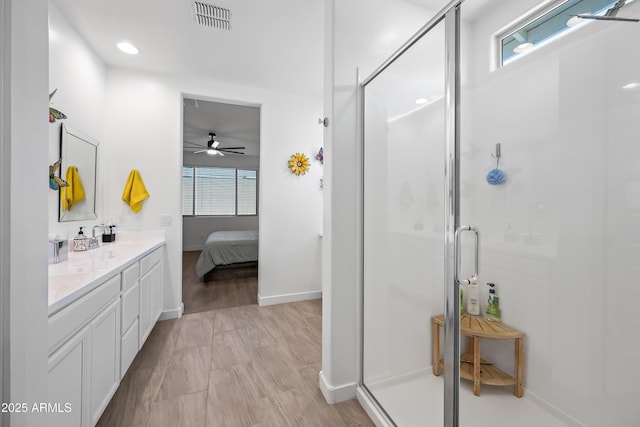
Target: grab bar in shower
<point>458,233</point>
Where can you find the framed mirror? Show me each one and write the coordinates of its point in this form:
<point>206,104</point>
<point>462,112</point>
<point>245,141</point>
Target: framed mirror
<point>79,167</point>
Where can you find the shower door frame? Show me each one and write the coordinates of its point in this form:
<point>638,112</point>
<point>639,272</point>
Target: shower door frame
<point>450,14</point>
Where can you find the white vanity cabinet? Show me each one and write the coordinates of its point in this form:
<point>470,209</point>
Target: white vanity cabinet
<point>94,339</point>
<point>75,333</point>
<point>68,381</point>
<point>150,293</point>
<point>105,358</point>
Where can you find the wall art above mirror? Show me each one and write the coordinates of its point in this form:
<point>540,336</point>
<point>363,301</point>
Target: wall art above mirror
<point>79,167</point>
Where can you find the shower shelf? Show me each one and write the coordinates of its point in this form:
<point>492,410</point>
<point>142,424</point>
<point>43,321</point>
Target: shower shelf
<point>472,366</point>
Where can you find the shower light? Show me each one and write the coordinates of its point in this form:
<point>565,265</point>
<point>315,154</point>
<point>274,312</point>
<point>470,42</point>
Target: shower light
<point>632,85</point>
<point>523,47</point>
<point>127,47</point>
<point>421,101</point>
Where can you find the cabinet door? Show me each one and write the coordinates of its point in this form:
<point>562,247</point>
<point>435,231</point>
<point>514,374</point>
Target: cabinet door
<point>150,300</point>
<point>105,358</point>
<point>145,307</point>
<point>129,347</point>
<point>130,306</point>
<point>68,382</point>
<point>156,292</point>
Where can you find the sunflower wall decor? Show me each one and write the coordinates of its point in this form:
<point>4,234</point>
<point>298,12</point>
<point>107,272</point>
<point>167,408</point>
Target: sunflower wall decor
<point>298,164</point>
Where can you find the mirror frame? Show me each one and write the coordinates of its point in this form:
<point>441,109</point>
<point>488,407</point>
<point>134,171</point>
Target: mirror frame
<point>66,133</point>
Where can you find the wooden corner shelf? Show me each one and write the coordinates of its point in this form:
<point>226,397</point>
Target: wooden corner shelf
<point>472,366</point>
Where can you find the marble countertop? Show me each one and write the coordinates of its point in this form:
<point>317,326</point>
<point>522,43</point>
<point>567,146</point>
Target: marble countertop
<point>84,271</point>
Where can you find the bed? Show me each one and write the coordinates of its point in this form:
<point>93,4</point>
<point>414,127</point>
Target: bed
<point>226,248</point>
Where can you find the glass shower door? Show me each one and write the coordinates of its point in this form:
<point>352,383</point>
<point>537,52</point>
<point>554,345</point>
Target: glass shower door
<point>403,231</point>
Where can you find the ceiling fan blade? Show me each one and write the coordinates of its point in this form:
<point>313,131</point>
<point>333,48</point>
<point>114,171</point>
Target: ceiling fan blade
<point>231,148</point>
<point>229,151</point>
<point>199,151</point>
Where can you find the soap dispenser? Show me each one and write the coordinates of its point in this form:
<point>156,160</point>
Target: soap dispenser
<point>80,242</point>
<point>473,301</point>
<point>493,304</point>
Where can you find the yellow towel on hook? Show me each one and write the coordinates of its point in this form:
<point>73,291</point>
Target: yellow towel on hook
<point>74,192</point>
<point>134,191</point>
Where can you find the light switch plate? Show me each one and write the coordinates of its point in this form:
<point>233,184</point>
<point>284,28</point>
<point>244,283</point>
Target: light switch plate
<point>166,220</point>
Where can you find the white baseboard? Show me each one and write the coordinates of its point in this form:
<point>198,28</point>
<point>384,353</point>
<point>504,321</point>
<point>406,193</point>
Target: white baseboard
<point>553,410</point>
<point>281,299</point>
<point>337,394</point>
<point>176,313</point>
<point>371,409</point>
<point>192,248</point>
<point>385,380</point>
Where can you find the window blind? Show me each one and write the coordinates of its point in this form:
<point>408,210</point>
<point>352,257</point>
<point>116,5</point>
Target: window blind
<point>215,191</point>
<point>247,191</point>
<point>209,191</point>
<point>187,191</point>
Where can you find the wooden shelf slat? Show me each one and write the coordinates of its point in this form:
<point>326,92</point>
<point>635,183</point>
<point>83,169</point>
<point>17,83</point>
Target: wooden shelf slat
<point>489,374</point>
<point>471,325</point>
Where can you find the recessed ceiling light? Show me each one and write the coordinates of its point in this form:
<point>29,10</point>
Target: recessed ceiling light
<point>127,47</point>
<point>421,101</point>
<point>523,47</point>
<point>632,85</point>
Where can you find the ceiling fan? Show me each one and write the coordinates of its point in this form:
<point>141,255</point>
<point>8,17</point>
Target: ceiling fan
<point>214,149</point>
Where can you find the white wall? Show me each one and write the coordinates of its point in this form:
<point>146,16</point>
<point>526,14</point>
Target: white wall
<point>24,205</point>
<point>195,230</point>
<point>144,132</point>
<point>365,33</point>
<point>80,77</point>
<point>559,237</point>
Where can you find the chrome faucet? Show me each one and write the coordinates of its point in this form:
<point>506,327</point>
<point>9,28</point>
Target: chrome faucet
<point>93,230</point>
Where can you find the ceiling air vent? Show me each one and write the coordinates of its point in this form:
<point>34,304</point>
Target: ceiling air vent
<point>212,16</point>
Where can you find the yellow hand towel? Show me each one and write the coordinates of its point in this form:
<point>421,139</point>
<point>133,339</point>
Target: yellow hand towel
<point>135,191</point>
<point>73,193</point>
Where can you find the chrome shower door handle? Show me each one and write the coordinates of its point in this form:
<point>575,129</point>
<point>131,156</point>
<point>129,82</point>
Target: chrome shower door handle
<point>458,233</point>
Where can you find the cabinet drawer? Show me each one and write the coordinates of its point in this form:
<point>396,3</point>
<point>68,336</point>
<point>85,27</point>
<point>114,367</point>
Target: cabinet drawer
<point>130,306</point>
<point>130,275</point>
<point>67,321</point>
<point>128,348</point>
<point>150,260</point>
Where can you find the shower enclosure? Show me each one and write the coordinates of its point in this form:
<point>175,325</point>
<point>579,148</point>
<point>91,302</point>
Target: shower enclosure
<point>559,237</point>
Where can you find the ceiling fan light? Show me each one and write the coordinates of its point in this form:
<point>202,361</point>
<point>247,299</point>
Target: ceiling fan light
<point>212,152</point>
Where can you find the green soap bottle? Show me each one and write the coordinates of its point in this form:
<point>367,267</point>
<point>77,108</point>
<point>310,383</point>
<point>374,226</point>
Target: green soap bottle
<point>493,304</point>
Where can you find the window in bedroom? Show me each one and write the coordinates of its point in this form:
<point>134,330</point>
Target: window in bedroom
<point>210,191</point>
<point>543,25</point>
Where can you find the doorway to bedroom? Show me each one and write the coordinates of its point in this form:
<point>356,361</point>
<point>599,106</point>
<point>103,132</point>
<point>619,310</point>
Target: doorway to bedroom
<point>220,204</point>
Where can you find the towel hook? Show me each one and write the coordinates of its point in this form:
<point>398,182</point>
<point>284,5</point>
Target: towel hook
<point>497,153</point>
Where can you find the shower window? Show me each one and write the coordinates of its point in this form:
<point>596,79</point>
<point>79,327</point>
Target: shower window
<point>543,25</point>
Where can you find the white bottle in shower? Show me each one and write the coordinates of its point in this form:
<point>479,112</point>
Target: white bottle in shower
<point>473,299</point>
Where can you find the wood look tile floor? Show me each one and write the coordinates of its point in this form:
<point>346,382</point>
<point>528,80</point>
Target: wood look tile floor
<point>229,288</point>
<point>244,366</point>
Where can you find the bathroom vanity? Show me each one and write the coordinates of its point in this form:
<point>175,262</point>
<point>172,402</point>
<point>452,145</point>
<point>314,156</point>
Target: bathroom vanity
<point>102,306</point>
